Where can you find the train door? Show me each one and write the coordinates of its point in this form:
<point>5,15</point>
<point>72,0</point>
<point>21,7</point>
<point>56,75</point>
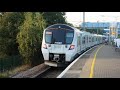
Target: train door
<point>92,40</point>
<point>89,41</point>
<point>78,44</point>
<point>85,40</point>
<point>81,41</point>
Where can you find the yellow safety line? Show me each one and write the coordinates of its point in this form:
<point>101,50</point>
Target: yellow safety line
<point>93,63</point>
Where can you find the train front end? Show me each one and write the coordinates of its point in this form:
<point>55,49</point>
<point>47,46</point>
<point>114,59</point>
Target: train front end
<point>58,46</point>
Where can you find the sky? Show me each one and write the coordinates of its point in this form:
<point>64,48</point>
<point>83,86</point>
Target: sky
<point>77,17</point>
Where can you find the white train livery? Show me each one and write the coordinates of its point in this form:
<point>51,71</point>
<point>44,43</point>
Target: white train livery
<point>62,43</point>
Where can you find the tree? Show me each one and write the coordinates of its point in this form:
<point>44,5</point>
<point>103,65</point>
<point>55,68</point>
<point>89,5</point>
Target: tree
<point>70,24</point>
<point>118,35</point>
<point>30,37</point>
<point>9,23</point>
<point>54,17</point>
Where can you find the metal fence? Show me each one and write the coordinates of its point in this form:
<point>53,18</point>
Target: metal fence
<point>9,62</point>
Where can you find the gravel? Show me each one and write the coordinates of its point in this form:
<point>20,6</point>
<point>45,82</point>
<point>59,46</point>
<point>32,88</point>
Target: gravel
<point>33,72</point>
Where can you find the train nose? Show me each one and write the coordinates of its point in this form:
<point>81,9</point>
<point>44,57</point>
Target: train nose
<point>57,59</point>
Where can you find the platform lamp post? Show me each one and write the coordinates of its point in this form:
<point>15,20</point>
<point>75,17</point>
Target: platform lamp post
<point>116,30</point>
<point>108,34</point>
<point>116,27</point>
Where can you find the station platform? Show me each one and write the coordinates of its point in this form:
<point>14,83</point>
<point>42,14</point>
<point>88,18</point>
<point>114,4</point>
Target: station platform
<point>102,61</point>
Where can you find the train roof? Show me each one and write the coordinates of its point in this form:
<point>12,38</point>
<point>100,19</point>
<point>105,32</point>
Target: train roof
<point>68,27</point>
<point>63,26</point>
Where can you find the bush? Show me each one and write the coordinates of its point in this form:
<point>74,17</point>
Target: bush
<point>30,37</point>
<point>9,23</point>
<point>118,35</point>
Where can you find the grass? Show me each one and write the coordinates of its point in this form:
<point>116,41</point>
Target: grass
<point>11,65</point>
<point>10,62</point>
<point>8,74</point>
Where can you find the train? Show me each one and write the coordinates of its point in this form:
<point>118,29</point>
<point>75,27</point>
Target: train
<point>62,43</point>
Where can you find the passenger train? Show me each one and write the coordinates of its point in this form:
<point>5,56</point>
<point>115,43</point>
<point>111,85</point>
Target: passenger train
<point>62,43</point>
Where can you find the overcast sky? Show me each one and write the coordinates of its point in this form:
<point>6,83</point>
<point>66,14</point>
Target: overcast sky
<point>77,17</point>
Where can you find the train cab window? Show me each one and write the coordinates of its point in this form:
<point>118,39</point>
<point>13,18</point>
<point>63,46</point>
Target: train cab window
<point>48,36</point>
<point>69,37</point>
<point>59,36</point>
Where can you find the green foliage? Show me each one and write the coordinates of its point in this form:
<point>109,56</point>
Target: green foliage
<point>54,18</point>
<point>30,37</point>
<point>72,25</point>
<point>10,62</point>
<point>118,35</point>
<point>9,22</point>
<point>21,33</point>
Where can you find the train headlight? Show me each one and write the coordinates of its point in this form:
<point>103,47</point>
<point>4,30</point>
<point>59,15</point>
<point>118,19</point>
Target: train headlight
<point>44,46</point>
<point>72,47</point>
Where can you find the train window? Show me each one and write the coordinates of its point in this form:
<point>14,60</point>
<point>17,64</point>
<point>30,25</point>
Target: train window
<point>69,34</point>
<point>69,37</point>
<point>48,37</point>
<point>92,39</point>
<point>83,40</point>
<point>89,39</point>
<point>79,40</point>
<point>59,36</point>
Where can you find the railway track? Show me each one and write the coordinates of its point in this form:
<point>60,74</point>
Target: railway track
<point>52,72</point>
